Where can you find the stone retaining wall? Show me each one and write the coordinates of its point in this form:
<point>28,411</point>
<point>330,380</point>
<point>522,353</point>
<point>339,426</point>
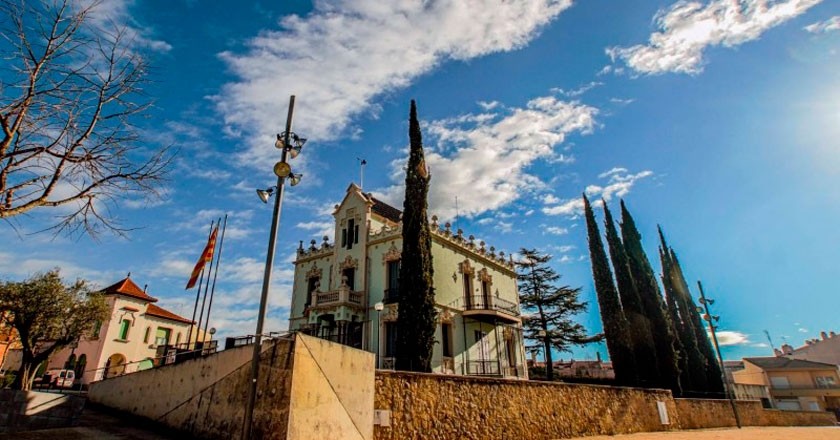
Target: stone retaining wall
<point>29,410</point>
<point>708,413</point>
<point>439,407</point>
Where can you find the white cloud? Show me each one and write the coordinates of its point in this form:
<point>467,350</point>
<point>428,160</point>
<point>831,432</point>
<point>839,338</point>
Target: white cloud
<point>726,338</point>
<point>802,330</point>
<point>550,199</point>
<point>619,183</point>
<point>485,158</point>
<point>345,53</point>
<point>556,230</point>
<point>687,28</point>
<point>821,27</point>
<point>107,14</point>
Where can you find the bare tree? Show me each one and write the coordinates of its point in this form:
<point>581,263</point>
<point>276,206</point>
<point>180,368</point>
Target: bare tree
<point>71,90</point>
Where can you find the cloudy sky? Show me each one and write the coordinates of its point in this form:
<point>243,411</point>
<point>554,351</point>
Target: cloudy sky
<point>717,119</point>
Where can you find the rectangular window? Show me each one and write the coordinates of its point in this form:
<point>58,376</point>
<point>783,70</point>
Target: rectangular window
<point>394,274</point>
<point>356,235</point>
<point>350,230</point>
<point>146,335</point>
<point>483,345</point>
<point>446,339</point>
<point>96,328</point>
<point>390,339</point>
<point>350,276</point>
<point>124,325</point>
<point>162,336</point>
<point>825,382</point>
<point>343,237</point>
<point>468,290</point>
<point>311,286</point>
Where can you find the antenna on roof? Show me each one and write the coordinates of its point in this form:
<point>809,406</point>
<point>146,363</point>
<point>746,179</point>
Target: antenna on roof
<point>145,286</point>
<point>129,275</point>
<point>362,164</point>
<point>766,333</point>
<point>457,211</point>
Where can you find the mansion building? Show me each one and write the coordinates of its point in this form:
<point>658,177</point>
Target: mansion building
<point>348,292</point>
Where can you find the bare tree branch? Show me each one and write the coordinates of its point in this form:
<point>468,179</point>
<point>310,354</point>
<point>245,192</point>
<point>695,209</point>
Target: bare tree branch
<point>68,115</point>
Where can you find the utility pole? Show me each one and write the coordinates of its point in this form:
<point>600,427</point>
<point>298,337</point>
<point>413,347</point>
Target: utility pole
<point>709,318</point>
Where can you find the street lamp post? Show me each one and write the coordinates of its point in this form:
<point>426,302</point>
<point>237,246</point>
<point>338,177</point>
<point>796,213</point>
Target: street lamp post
<point>378,307</point>
<point>708,317</point>
<point>282,170</point>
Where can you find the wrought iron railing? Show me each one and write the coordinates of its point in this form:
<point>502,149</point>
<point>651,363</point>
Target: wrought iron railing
<point>483,368</point>
<point>482,302</point>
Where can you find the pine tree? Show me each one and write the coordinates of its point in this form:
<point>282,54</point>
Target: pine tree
<point>694,324</point>
<point>641,331</point>
<point>551,307</point>
<point>616,327</point>
<point>652,303</point>
<point>416,313</point>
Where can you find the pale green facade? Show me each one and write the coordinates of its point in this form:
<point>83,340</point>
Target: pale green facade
<point>337,288</point>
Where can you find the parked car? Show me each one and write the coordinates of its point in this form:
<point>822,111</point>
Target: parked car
<point>57,378</point>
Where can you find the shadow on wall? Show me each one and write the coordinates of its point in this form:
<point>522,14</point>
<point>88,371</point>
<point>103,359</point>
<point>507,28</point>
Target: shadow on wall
<point>29,410</point>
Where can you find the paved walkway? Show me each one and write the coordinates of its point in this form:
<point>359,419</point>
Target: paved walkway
<point>749,433</point>
<point>98,425</point>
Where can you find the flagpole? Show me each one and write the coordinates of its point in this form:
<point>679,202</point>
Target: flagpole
<point>197,295</point>
<point>206,287</point>
<point>215,274</point>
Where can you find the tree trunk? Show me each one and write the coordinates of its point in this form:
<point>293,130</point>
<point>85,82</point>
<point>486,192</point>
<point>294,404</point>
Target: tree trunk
<point>549,364</point>
<point>25,375</point>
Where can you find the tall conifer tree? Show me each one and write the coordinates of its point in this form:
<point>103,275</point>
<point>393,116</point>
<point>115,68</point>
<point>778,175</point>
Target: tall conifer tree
<point>416,314</point>
<point>712,383</point>
<point>616,327</point>
<point>652,302</point>
<point>641,331</point>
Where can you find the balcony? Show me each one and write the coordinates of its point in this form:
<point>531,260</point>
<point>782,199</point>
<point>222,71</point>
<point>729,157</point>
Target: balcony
<point>491,306</point>
<point>341,297</point>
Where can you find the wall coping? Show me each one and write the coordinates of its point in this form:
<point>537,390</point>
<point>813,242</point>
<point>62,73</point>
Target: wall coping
<point>519,382</point>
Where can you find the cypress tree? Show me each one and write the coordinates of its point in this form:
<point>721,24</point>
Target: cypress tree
<point>652,303</point>
<point>647,368</point>
<point>713,381</point>
<point>691,362</point>
<point>416,317</point>
<point>616,327</point>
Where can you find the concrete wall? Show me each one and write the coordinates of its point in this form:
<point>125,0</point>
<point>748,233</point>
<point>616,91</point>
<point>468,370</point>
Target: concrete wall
<point>29,410</point>
<point>707,413</point>
<point>153,392</point>
<point>453,407</point>
<point>308,388</point>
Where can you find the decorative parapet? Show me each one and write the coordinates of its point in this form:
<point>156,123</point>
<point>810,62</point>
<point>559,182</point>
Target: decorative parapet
<point>314,251</point>
<point>479,250</point>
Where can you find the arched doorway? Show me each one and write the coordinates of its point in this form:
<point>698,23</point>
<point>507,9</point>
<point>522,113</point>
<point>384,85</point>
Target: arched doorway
<point>115,365</point>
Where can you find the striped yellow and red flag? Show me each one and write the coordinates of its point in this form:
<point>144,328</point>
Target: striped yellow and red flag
<point>206,257</point>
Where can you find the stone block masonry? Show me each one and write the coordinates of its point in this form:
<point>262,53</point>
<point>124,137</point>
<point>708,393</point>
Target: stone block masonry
<point>454,407</point>
<point>435,407</point>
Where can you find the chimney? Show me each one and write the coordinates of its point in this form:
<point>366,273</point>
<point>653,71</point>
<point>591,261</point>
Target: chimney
<point>832,334</point>
<point>777,352</point>
<point>787,349</point>
<point>823,336</point>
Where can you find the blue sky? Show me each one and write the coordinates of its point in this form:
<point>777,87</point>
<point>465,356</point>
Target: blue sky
<point>717,119</point>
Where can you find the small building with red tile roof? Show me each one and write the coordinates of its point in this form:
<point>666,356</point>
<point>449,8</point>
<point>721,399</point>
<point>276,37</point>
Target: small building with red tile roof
<point>128,341</point>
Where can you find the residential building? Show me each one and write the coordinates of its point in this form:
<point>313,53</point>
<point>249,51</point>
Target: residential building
<point>128,341</point>
<point>825,349</point>
<point>793,384</point>
<point>339,288</point>
<point>9,342</point>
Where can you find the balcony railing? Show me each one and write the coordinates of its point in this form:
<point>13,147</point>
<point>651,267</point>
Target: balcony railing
<point>483,368</point>
<point>336,297</point>
<point>481,302</point>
